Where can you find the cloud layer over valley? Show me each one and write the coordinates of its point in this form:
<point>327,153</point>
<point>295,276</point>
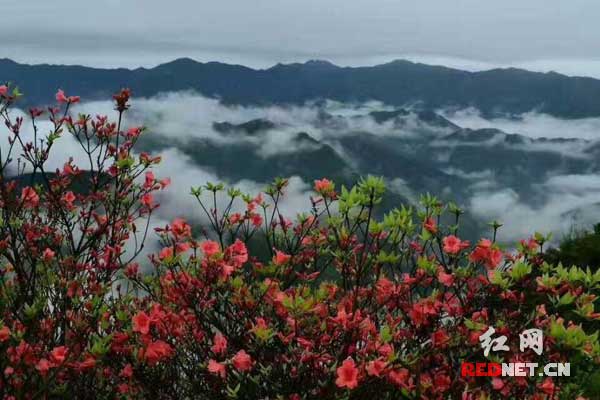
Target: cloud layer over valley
<point>533,172</point>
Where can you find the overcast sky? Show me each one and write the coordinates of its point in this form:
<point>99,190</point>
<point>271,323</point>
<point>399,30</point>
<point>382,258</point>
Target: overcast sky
<point>562,35</point>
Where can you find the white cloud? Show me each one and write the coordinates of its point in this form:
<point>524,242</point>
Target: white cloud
<point>485,174</point>
<point>531,124</point>
<point>177,201</point>
<point>65,146</point>
<point>564,200</point>
<point>571,201</point>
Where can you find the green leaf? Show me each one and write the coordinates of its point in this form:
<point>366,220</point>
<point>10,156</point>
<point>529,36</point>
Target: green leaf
<point>520,270</point>
<point>385,334</point>
<point>566,299</point>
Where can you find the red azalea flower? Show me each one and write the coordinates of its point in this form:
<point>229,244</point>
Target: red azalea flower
<point>4,334</point>
<point>453,245</point>
<point>280,258</point>
<point>163,182</point>
<point>430,225</point>
<point>68,169</point>
<point>385,288</point>
<point>441,382</point>
<point>417,315</point>
<point>256,220</point>
<point>182,247</point>
<point>439,338</point>
<point>62,98</point>
<point>181,229</point>
<point>237,253</point>
<point>141,323</point>
<point>323,186</point>
<point>157,351</point>
<point>219,344</point>
<point>35,112</point>
<point>43,366</point>
<point>444,278</point>
<point>59,354</point>
<point>217,368</point>
<point>497,383</point>
<point>126,372</point>
<point>165,253</point>
<point>376,367</point>
<point>68,198</point>
<point>495,257</point>
<point>132,270</point>
<point>242,361</point>
<point>486,253</point>
<point>258,199</point>
<point>29,197</point>
<point>147,200</point>
<point>48,255</point>
<point>235,218</point>
<point>149,180</point>
<point>88,363</point>
<point>121,99</point>
<point>133,132</point>
<point>530,244</point>
<point>347,374</point>
<point>385,350</point>
<point>548,387</point>
<point>226,270</point>
<point>210,248</point>
<point>399,377</point>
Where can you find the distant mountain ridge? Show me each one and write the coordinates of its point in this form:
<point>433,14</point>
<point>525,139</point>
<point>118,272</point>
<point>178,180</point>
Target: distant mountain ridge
<point>495,92</point>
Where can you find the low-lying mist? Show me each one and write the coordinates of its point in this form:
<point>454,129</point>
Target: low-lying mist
<point>543,178</point>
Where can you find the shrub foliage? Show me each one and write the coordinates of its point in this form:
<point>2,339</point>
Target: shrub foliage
<point>340,302</point>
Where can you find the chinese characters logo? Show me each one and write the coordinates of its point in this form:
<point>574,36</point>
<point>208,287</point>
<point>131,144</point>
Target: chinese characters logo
<point>528,339</point>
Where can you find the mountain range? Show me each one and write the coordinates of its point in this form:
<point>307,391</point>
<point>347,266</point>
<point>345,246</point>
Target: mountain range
<point>404,136</point>
<point>494,92</point>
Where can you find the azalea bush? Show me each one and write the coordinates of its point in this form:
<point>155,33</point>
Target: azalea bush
<point>62,250</point>
<point>343,301</point>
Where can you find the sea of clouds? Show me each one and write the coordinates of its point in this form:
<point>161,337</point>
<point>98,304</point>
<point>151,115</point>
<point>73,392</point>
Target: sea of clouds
<point>570,200</point>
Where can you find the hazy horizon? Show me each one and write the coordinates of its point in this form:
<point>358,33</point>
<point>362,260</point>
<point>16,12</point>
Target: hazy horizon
<point>538,35</point>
